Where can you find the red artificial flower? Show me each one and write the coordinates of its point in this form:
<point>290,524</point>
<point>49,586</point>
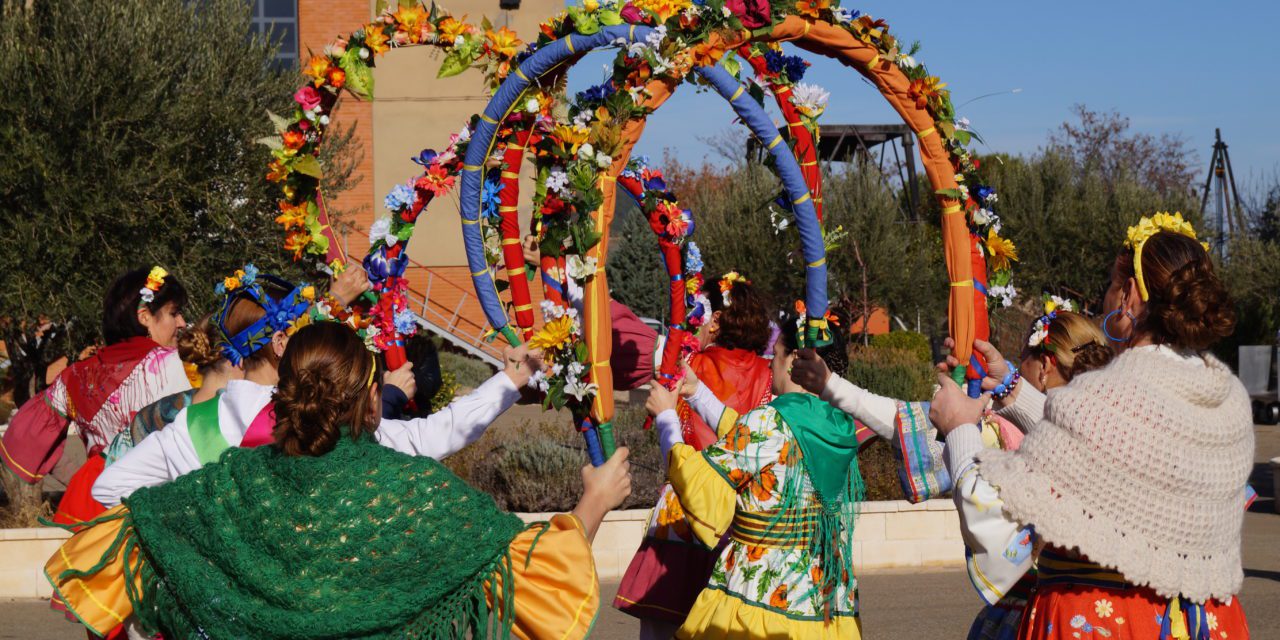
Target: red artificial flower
<point>552,205</point>
<point>436,180</point>
<point>753,13</point>
<point>307,97</point>
<point>337,77</point>
<point>293,139</point>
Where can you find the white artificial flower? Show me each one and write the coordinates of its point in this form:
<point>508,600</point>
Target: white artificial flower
<point>459,42</point>
<point>556,369</point>
<point>557,180</point>
<point>1005,294</point>
<point>572,312</point>
<point>962,124</point>
<point>324,121</point>
<point>997,226</point>
<point>992,198</point>
<point>579,390</point>
<point>725,11</point>
<point>381,230</point>
<point>655,38</point>
<point>532,105</point>
<point>959,177</point>
<point>309,114</point>
<point>579,268</point>
<point>1061,304</point>
<point>603,161</point>
<point>810,99</point>
<point>586,151</point>
<point>842,15</point>
<point>964,192</point>
<point>539,381</point>
<point>576,368</point>
<point>907,62</point>
<point>982,217</point>
<point>364,53</point>
<point>551,311</point>
<point>464,135</point>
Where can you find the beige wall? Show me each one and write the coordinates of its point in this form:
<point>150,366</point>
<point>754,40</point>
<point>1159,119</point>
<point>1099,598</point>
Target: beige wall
<point>413,110</point>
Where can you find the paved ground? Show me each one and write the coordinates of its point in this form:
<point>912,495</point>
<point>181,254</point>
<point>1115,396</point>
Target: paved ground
<point>917,605</point>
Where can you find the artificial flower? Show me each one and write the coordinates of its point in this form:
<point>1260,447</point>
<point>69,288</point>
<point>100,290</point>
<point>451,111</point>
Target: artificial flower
<point>307,97</point>
<point>410,19</point>
<point>692,257</point>
<point>308,293</point>
<point>436,180</point>
<point>380,231</point>
<point>1164,221</point>
<point>663,9</point>
<point>277,170</point>
<point>843,15</point>
<point>630,13</point>
<point>375,39</point>
<point>581,268</point>
<point>450,29</point>
<point>810,99</point>
<point>812,8</point>
<point>922,90</point>
<point>337,77</point>
<point>867,29</point>
<point>705,54</point>
<point>752,13</point>
<point>551,311</point>
<point>591,5</point>
<point>503,42</point>
<point>539,381</point>
<point>406,323</point>
<point>293,140</point>
<point>1000,250</point>
<point>297,241</point>
<point>292,216</point>
<point>581,390</point>
<point>570,137</point>
<point>316,68</point>
<point>557,180</point>
<point>553,335</point>
<point>400,197</point>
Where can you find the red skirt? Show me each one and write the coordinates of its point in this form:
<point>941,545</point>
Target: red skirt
<point>77,503</point>
<point>1075,612</point>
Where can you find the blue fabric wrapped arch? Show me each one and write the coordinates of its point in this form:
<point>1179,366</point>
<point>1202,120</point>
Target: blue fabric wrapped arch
<point>751,113</point>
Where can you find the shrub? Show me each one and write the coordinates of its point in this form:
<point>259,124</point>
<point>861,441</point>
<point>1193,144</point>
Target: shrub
<point>890,372</point>
<point>910,341</point>
<point>467,372</point>
<point>879,468</point>
<point>448,389</point>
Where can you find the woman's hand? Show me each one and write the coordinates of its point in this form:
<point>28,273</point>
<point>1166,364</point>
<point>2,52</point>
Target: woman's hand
<point>952,407</point>
<point>997,366</point>
<point>660,399</point>
<point>810,371</point>
<point>689,383</point>
<point>530,249</point>
<point>603,490</point>
<point>349,284</point>
<point>519,363</point>
<point>402,379</point>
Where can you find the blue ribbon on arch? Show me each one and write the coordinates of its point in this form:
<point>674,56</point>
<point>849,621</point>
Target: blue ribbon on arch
<point>751,113</point>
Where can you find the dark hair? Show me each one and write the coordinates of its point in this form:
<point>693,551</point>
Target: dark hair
<point>120,305</point>
<point>836,354</point>
<point>244,312</point>
<point>744,322</point>
<point>198,344</point>
<point>325,376</point>
<point>1087,357</point>
<point>1187,305</point>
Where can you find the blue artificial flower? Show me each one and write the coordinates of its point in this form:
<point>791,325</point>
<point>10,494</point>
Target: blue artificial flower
<point>596,94</point>
<point>401,197</point>
<point>774,61</point>
<point>220,289</point>
<point>983,192</point>
<point>688,214</point>
<point>527,53</point>
<point>795,66</point>
<point>692,258</point>
<point>406,322</point>
<point>655,183</point>
<point>489,200</point>
<point>250,274</point>
<point>425,157</point>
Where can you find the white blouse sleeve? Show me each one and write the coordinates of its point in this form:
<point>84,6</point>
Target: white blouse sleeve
<point>447,431</point>
<point>998,551</point>
<point>705,403</point>
<point>877,412</point>
<point>669,433</point>
<point>1027,408</point>
<point>160,457</point>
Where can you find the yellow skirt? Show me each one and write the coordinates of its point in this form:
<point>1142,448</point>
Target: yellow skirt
<point>557,593</point>
<point>718,614</point>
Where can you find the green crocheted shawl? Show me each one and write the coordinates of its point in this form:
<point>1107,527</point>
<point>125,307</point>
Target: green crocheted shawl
<point>363,542</point>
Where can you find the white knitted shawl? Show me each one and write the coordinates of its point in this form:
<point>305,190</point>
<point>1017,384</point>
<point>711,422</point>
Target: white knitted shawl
<point>1141,466</point>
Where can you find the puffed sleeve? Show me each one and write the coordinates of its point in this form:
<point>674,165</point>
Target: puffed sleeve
<point>557,591</point>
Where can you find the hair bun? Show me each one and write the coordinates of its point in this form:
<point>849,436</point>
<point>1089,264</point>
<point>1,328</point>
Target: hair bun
<point>1089,356</point>
<point>1195,311</point>
<point>308,399</point>
<point>198,347</point>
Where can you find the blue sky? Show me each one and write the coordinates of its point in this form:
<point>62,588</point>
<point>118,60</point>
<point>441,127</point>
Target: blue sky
<point>1172,66</point>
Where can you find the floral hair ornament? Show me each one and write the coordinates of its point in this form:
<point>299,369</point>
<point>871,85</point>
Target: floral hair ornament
<point>155,280</point>
<point>1150,226</point>
<point>726,284</point>
<point>286,313</point>
<point>1040,328</point>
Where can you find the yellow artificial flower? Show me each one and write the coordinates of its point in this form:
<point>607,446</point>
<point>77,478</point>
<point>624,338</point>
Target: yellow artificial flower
<point>1163,221</point>
<point>308,293</point>
<point>292,216</point>
<point>451,29</point>
<point>503,42</point>
<point>193,374</point>
<point>231,283</point>
<point>553,335</point>
<point>591,5</point>
<point>317,68</point>
<point>1000,250</point>
<point>375,39</point>
<point>664,9</point>
<point>409,20</point>
<point>155,279</point>
<point>572,136</point>
<point>297,242</point>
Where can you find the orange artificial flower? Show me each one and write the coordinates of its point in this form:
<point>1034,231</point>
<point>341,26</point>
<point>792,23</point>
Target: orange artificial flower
<point>778,599</point>
<point>297,242</point>
<point>763,485</point>
<point>755,553</point>
<point>867,29</point>
<point>813,8</point>
<point>706,55</point>
<point>294,139</point>
<point>503,42</point>
<point>292,216</point>
<point>923,90</point>
<point>375,39</point>
<point>450,29</point>
<point>277,171</point>
<point>739,438</point>
<point>316,68</point>
<point>409,20</point>
<point>336,77</point>
<point>663,9</point>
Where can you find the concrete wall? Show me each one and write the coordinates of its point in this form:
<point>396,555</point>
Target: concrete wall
<point>889,535</point>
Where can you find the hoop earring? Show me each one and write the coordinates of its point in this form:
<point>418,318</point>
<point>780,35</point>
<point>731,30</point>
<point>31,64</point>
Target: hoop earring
<point>1106,332</point>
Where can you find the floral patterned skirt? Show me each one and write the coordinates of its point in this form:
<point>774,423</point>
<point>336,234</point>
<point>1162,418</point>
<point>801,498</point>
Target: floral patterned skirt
<point>1076,612</point>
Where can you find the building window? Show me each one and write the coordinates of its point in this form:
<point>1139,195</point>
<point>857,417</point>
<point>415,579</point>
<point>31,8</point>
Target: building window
<point>278,20</point>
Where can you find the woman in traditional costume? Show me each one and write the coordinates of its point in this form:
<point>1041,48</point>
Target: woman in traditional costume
<point>1132,477</point>
<point>142,314</point>
<point>259,315</point>
<point>783,483</point>
<point>667,572</point>
<point>325,533</point>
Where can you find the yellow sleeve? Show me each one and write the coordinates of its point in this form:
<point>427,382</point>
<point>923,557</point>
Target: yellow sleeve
<point>728,418</point>
<point>708,497</point>
<point>98,600</point>
<point>557,591</point>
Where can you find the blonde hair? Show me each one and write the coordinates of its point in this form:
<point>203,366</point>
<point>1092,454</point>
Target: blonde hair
<point>1074,345</point>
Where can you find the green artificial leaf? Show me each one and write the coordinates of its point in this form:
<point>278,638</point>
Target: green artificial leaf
<point>950,193</point>
<point>962,136</point>
<point>278,122</point>
<point>555,394</point>
<point>359,75</point>
<point>485,25</point>
<point>272,142</point>
<point>501,285</point>
<point>609,17</point>
<point>580,351</point>
<point>731,64</point>
<point>404,232</point>
<point>308,165</point>
<point>455,63</point>
<point>756,92</point>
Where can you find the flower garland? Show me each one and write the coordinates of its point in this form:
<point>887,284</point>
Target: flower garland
<point>1039,338</point>
<point>347,63</point>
